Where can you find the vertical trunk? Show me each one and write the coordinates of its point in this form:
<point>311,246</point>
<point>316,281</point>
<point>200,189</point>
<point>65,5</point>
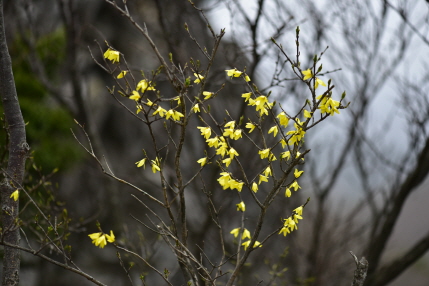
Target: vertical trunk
<point>18,149</point>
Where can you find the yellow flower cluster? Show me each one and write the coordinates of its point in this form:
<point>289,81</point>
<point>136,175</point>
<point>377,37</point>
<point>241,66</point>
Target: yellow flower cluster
<point>245,234</point>
<point>226,181</point>
<point>230,132</point>
<point>100,239</point>
<point>291,223</point>
<point>262,104</point>
<point>296,135</point>
<point>328,105</point>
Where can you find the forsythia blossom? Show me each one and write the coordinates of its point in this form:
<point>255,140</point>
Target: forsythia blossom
<point>15,195</point>
<point>161,111</point>
<point>136,96</point>
<point>227,182</point>
<point>251,126</point>
<point>155,165</point>
<point>297,173</point>
<point>284,120</point>
<point>273,130</point>
<point>144,85</point>
<point>100,239</point>
<point>199,78</point>
<point>122,74</point>
<point>202,161</point>
<point>236,232</point>
<point>241,207</point>
<point>196,108</point>
<point>246,244</point>
<point>254,187</point>
<point>234,73</point>
<point>207,94</point>
<point>291,223</point>
<point>328,105</point>
<point>112,55</point>
<point>205,131</point>
<point>309,74</point>
<point>176,115</point>
<point>141,163</point>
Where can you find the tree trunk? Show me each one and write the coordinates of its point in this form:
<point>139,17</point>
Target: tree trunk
<point>18,149</point>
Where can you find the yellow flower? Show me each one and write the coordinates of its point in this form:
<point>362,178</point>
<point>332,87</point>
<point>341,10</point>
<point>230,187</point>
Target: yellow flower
<point>284,120</point>
<point>202,161</point>
<point>262,104</point>
<point>262,178</point>
<point>235,231</point>
<point>251,126</point>
<point>264,153</point>
<point>295,186</point>
<point>246,234</point>
<point>199,78</point>
<point>246,78</point>
<point>232,152</point>
<point>298,210</point>
<point>122,74</point>
<point>144,85</point>
<point>213,142</point>
<point>273,130</point>
<point>328,105</point>
<point>318,81</point>
<point>136,96</point>
<point>15,195</point>
<point>296,218</point>
<point>246,244</point>
<point>246,96</point>
<point>227,161</point>
<point>307,114</point>
<point>155,165</point>
<point>112,55</point>
<point>161,111</point>
<point>224,180</point>
<point>297,173</point>
<point>285,155</point>
<point>267,172</point>
<point>241,207</point>
<point>207,94</point>
<point>254,187</point>
<point>111,237</point>
<point>196,108</point>
<point>288,193</point>
<point>307,74</point>
<point>141,163</point>
<point>205,131</point>
<point>176,115</point>
<point>222,149</point>
<point>99,238</point>
<point>233,184</point>
<point>149,103</point>
<point>284,230</point>
<point>283,142</point>
<point>233,73</point>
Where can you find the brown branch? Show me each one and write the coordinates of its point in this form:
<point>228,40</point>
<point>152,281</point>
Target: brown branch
<point>360,272</point>
<point>389,272</point>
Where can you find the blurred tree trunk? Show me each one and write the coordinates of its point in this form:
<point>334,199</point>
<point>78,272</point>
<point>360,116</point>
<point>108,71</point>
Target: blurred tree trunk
<point>18,148</point>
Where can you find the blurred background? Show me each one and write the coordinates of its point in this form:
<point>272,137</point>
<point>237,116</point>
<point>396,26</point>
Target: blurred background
<point>366,173</point>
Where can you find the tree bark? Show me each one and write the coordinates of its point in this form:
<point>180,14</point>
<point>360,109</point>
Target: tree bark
<point>18,149</point>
